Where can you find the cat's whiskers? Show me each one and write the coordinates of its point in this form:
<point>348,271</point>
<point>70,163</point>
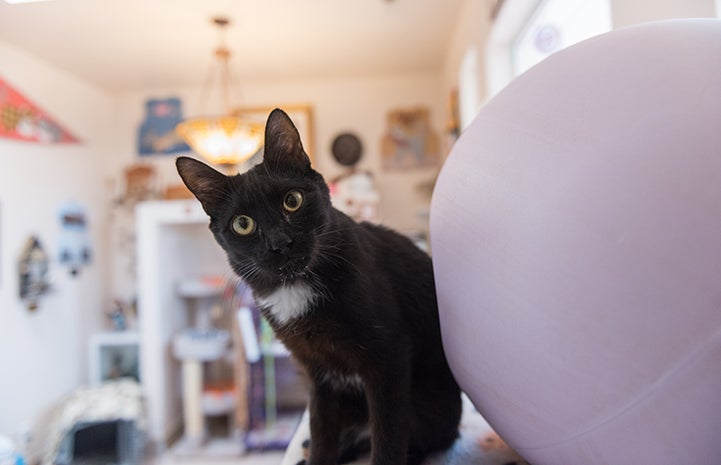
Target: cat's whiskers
<point>323,252</point>
<point>231,278</point>
<point>248,269</point>
<point>329,231</point>
<point>244,266</point>
<point>317,284</point>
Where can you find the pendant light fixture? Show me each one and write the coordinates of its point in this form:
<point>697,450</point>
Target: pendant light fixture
<point>222,140</point>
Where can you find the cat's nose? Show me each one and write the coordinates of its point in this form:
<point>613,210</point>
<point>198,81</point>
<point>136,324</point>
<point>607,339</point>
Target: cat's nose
<point>279,242</point>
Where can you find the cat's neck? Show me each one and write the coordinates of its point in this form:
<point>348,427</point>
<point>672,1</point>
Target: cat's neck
<point>285,301</point>
<point>289,301</point>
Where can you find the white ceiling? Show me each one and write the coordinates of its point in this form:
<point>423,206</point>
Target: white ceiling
<point>140,44</point>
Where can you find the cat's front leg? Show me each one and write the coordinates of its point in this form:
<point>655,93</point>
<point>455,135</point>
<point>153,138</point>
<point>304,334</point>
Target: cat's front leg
<point>389,403</point>
<point>325,425</point>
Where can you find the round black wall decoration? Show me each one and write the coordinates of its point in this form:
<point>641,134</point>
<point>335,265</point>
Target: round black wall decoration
<point>347,149</point>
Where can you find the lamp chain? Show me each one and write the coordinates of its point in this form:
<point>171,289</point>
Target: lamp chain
<point>219,71</point>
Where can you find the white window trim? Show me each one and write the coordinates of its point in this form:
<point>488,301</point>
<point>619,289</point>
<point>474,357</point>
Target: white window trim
<point>513,17</point>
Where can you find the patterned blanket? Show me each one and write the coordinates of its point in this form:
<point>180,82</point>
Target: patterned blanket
<point>113,400</point>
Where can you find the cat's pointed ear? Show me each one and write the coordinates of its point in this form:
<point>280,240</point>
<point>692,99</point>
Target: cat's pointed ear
<point>283,148</point>
<point>208,185</point>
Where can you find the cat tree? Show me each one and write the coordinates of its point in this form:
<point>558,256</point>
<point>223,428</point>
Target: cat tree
<point>195,347</point>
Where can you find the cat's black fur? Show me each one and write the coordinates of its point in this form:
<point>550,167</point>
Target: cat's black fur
<point>359,305</point>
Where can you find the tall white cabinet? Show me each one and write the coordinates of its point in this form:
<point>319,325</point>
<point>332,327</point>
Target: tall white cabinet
<point>173,243</point>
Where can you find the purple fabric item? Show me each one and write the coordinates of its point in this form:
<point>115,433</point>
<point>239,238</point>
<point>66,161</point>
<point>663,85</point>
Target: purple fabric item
<point>576,236</point>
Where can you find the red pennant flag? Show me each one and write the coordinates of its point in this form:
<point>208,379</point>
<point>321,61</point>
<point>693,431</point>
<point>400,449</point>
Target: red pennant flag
<point>23,120</point>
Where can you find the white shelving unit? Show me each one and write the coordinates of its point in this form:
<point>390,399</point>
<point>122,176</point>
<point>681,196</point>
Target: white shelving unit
<point>173,243</point>
<point>113,354</point>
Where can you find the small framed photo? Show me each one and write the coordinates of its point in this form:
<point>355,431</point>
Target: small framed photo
<point>301,114</point>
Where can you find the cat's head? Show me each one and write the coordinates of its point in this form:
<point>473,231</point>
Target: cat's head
<point>269,219</point>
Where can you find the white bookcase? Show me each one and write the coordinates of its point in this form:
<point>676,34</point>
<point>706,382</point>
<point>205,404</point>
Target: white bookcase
<point>173,242</point>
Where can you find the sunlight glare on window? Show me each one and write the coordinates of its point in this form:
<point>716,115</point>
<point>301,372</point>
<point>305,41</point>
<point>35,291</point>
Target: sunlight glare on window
<point>556,24</point>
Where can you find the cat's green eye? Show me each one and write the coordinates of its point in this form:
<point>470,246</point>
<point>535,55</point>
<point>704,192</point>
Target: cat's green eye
<point>293,200</point>
<point>243,225</point>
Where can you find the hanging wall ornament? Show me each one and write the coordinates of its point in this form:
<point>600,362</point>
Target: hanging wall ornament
<point>21,119</point>
<point>74,249</point>
<point>33,273</point>
<point>347,149</point>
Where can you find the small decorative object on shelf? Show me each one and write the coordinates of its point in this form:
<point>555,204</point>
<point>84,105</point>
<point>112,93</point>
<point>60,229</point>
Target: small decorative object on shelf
<point>120,315</point>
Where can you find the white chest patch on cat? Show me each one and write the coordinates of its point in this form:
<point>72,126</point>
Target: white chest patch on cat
<point>288,302</point>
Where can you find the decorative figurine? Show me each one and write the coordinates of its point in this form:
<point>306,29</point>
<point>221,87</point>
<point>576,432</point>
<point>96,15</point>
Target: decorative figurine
<point>33,269</point>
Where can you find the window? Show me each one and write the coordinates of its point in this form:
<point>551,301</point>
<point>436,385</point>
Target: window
<point>469,98</point>
<point>525,32</point>
<point>556,24</point>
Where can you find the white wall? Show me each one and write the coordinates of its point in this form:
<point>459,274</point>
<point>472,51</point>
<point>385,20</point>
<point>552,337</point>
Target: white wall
<point>359,105</point>
<point>42,354</point>
<point>625,13</point>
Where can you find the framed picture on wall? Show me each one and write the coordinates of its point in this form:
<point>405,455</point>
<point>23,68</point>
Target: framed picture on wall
<point>301,114</point>
<point>409,141</point>
<point>156,135</point>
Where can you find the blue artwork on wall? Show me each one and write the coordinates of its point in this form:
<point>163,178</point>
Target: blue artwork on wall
<point>75,250</point>
<point>157,132</point>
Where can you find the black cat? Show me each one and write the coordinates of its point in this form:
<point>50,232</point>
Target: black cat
<point>354,303</point>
